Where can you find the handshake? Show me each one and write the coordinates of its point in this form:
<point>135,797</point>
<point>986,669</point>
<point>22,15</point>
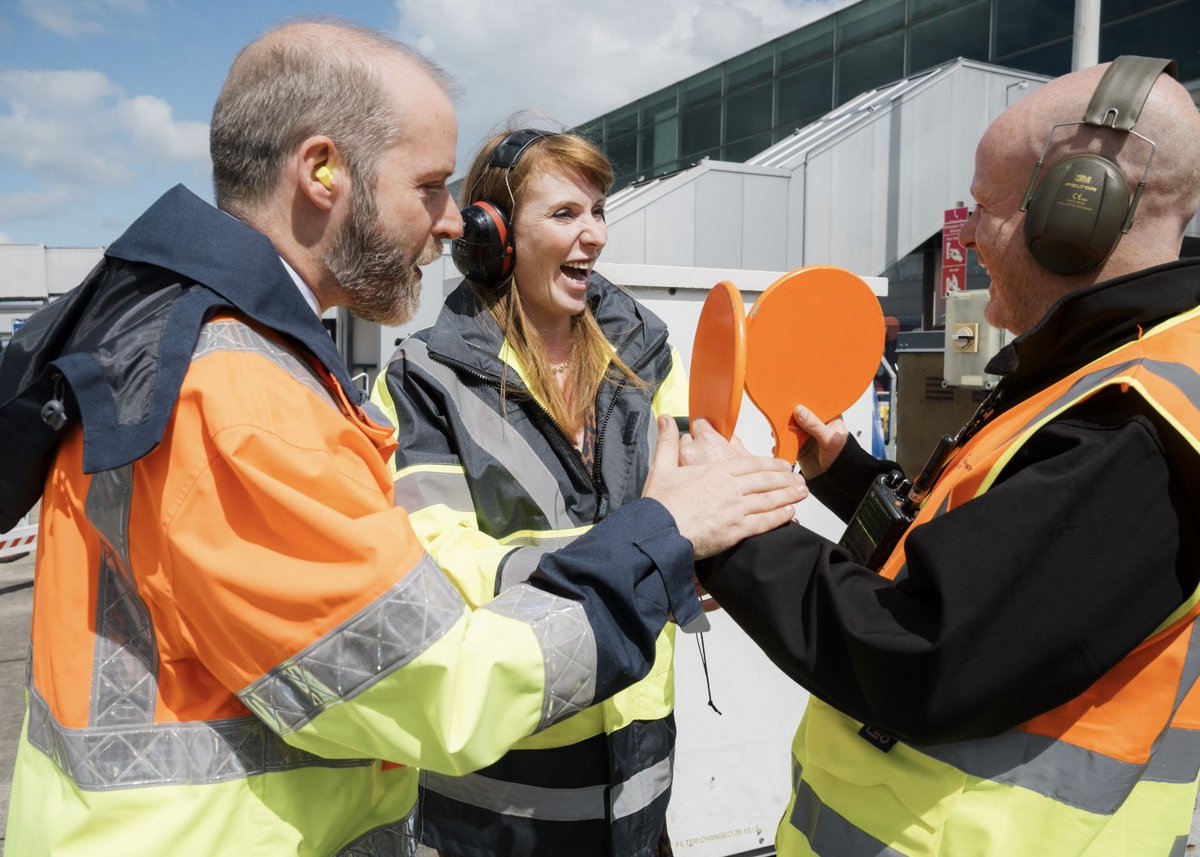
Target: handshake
<point>717,492</point>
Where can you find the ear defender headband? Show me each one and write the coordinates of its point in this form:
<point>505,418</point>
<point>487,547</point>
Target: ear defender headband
<point>485,252</point>
<point>1077,214</point>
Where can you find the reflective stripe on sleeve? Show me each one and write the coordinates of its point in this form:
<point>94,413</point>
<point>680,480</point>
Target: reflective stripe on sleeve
<point>166,754</point>
<point>568,647</point>
<point>377,641</point>
<point>392,840</point>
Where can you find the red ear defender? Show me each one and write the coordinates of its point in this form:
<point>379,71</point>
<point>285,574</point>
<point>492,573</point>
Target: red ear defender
<point>484,253</point>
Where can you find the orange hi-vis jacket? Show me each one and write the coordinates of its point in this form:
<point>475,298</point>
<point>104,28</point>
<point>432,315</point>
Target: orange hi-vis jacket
<point>1111,772</point>
<point>240,647</point>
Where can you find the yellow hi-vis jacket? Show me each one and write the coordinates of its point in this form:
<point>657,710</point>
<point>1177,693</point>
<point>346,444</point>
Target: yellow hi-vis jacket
<point>492,486</point>
<point>1111,772</point>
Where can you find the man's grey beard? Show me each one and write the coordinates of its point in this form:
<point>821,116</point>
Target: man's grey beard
<point>374,271</point>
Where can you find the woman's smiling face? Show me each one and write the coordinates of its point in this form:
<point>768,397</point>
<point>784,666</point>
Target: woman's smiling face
<point>559,232</point>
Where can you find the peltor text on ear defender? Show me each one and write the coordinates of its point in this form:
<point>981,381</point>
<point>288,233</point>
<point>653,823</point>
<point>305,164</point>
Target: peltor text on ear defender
<point>1077,213</point>
<point>485,253</point>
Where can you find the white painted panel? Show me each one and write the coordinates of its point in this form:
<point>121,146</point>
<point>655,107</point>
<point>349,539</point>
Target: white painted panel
<point>66,267</point>
<point>765,223</point>
<point>718,220</point>
<point>627,238</point>
<point>671,229</point>
<point>22,271</point>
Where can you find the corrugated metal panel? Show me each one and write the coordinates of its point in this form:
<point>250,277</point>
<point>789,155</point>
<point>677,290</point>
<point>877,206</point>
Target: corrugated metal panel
<point>859,188</point>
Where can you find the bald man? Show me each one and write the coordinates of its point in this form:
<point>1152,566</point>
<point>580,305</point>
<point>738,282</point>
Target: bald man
<point>239,646</point>
<point>1016,678</point>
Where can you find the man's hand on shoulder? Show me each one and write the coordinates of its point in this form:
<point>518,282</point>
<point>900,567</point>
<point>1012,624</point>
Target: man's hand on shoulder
<point>727,497</point>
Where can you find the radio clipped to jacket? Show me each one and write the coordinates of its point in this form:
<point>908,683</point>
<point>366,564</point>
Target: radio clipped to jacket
<point>889,508</point>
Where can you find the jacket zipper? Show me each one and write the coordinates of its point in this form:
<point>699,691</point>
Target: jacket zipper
<point>563,443</point>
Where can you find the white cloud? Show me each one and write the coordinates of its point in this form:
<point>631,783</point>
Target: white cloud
<point>36,205</point>
<point>75,18</point>
<point>573,61</point>
<point>80,128</point>
<point>150,123</point>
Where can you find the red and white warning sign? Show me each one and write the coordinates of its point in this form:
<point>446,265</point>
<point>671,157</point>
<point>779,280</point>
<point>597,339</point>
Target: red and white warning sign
<point>954,254</point>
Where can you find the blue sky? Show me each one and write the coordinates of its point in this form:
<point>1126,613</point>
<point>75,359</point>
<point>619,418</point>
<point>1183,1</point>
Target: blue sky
<point>104,104</point>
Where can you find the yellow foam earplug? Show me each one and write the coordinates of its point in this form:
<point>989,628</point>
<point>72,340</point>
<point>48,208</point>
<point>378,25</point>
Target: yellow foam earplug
<point>324,175</point>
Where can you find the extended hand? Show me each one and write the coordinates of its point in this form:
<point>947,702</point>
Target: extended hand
<point>716,505</point>
<point>703,444</point>
<point>826,441</point>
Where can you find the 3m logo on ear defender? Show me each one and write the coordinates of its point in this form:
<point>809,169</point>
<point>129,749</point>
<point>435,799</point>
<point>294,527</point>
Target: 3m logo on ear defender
<point>1082,179</point>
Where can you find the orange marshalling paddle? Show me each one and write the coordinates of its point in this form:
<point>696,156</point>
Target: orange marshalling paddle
<point>718,370</point>
<point>814,337</point>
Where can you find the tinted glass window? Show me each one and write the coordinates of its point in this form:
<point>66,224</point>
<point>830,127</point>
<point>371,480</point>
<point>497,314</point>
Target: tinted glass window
<point>1023,24</point>
<point>622,151</point>
<point>755,65</point>
<point>962,32</point>
<point>658,107</point>
<point>741,150</point>
<point>700,130</point>
<point>1051,60</point>
<point>806,44</point>
<point>660,143</point>
<point>703,87</point>
<point>622,121</point>
<point>1170,31</point>
<point>921,8</point>
<point>804,94</point>
<point>748,111</point>
<point>869,66</point>
<point>868,18</point>
<point>1115,10</point>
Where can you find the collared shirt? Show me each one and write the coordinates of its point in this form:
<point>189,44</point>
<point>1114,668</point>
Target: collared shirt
<point>305,291</point>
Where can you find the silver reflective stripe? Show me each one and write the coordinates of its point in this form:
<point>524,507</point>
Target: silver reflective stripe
<point>568,647</point>
<point>375,642</point>
<point>229,335</point>
<point>550,804</point>
<point>828,833</point>
<point>418,488</point>
<point>1176,759</point>
<point>393,840</point>
<point>520,800</point>
<point>166,754</point>
<point>375,413</point>
<point>642,789</point>
<point>1179,849</point>
<point>1179,375</point>
<point>1060,771</point>
<point>125,657</point>
<point>498,439</point>
<point>516,567</point>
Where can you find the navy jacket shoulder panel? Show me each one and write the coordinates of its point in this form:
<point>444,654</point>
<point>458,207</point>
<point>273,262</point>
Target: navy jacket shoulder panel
<point>122,340</point>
